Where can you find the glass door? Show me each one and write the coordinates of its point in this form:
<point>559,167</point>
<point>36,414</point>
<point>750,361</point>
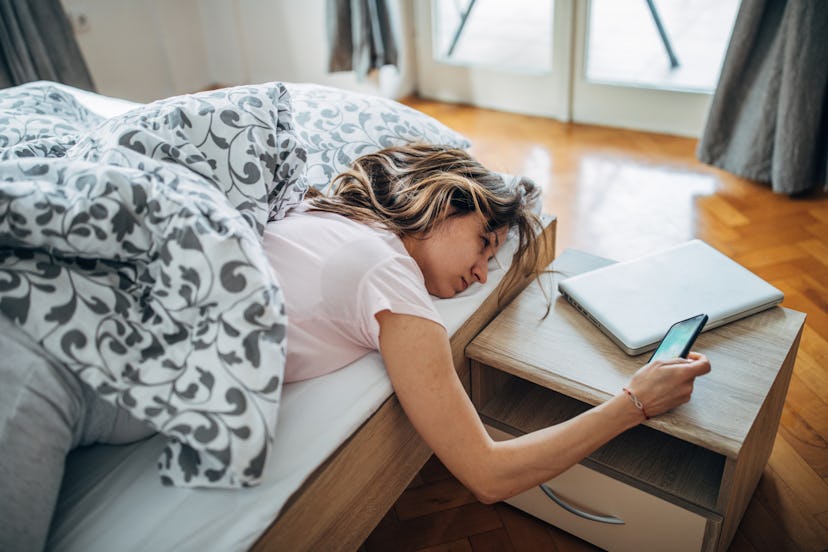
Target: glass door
<point>649,64</point>
<point>644,64</point>
<point>513,56</point>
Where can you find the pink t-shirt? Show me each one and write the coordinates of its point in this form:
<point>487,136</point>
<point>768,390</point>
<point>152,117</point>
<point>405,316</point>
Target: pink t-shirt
<point>336,274</point>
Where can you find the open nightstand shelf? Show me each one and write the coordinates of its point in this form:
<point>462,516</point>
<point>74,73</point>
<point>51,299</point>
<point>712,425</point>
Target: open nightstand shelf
<point>680,482</point>
<point>672,469</point>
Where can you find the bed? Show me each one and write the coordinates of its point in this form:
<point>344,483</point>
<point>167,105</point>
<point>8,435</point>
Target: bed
<point>335,469</point>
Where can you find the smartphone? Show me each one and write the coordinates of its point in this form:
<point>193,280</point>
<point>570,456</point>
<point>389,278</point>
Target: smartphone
<point>680,338</point>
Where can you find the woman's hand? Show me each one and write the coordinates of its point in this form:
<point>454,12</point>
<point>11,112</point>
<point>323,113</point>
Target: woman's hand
<point>662,385</point>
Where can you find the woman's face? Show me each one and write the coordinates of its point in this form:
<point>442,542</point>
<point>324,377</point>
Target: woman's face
<point>456,254</point>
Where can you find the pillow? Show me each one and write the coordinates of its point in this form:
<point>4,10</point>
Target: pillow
<point>336,126</point>
<point>38,111</point>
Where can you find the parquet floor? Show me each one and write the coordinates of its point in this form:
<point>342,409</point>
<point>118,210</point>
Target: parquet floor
<point>619,194</point>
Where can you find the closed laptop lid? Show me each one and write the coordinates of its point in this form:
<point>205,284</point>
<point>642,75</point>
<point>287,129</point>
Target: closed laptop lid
<point>635,302</point>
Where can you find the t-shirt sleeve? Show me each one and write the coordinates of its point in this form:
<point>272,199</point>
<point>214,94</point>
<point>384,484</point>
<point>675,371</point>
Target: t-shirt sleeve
<point>396,285</point>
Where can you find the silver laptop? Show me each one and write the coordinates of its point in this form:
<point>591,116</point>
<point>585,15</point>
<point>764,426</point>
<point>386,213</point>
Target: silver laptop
<point>635,302</point>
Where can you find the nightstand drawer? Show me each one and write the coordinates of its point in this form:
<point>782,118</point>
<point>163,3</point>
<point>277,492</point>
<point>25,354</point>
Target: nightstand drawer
<point>635,520</point>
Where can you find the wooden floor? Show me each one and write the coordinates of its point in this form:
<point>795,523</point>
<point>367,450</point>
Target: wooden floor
<point>620,194</point>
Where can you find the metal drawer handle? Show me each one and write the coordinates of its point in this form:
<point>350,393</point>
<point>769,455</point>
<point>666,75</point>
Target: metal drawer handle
<point>580,513</point>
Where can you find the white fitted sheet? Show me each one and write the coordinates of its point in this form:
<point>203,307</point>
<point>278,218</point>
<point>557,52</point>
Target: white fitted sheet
<point>112,497</point>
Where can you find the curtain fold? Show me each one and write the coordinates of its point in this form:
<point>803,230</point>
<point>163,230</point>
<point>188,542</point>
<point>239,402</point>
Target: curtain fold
<point>768,120</point>
<point>37,42</point>
<point>361,37</point>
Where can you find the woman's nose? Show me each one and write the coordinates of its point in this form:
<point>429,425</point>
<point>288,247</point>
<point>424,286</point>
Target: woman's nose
<point>480,270</point>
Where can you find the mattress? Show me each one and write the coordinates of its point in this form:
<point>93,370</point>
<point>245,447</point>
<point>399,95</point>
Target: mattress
<point>112,497</point>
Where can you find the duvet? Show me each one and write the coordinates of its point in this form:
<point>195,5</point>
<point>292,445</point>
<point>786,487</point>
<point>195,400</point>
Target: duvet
<point>130,250</point>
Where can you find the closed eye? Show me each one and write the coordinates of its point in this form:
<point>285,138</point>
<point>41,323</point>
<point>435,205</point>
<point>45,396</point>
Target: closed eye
<point>493,244</point>
<point>494,263</point>
<point>492,260</point>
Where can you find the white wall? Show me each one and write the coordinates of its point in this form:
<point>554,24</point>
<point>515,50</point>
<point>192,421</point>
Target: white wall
<point>127,46</point>
<point>143,50</point>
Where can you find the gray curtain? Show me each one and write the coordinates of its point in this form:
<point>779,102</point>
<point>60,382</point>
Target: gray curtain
<point>360,36</point>
<point>769,117</point>
<point>36,42</point>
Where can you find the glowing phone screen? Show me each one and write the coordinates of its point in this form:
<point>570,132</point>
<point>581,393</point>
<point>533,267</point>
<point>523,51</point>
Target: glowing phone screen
<point>680,338</point>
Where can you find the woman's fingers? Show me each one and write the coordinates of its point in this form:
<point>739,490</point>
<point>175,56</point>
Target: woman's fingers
<point>665,384</point>
<point>696,364</point>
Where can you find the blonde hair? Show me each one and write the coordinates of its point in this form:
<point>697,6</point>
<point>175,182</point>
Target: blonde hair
<point>411,189</point>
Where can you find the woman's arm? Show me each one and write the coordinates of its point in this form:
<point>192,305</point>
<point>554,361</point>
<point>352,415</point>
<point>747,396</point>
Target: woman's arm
<point>417,356</point>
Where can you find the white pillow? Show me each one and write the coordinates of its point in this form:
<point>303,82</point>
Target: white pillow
<point>336,126</point>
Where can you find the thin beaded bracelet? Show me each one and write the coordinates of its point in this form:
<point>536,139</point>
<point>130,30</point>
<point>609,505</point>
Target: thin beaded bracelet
<point>638,404</point>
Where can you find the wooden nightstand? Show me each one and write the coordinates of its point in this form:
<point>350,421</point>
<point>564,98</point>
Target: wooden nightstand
<point>680,482</point>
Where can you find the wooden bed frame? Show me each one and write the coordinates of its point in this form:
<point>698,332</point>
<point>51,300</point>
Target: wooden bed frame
<point>347,496</point>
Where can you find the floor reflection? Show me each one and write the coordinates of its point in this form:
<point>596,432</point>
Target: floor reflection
<point>622,209</point>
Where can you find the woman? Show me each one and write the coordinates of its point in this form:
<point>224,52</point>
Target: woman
<point>357,269</point>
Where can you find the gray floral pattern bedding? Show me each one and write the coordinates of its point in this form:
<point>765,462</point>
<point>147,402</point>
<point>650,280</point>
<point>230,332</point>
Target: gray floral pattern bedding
<point>337,126</point>
<point>130,249</point>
